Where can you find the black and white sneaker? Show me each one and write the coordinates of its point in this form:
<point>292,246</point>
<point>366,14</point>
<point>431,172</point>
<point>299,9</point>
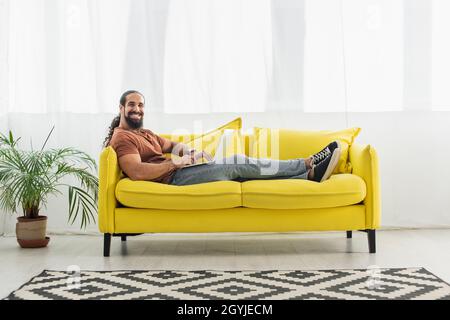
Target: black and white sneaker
<point>323,170</point>
<point>325,152</point>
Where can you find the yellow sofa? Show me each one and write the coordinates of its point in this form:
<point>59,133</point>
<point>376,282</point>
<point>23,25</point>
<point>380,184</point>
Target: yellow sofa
<point>346,201</point>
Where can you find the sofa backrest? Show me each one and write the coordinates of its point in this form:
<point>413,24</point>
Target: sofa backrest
<point>284,144</point>
<point>241,143</point>
<point>280,144</point>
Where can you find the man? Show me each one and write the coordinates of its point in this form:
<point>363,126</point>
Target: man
<point>141,155</point>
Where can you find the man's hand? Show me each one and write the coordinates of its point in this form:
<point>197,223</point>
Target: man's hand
<point>202,154</point>
<point>194,156</point>
<point>182,161</point>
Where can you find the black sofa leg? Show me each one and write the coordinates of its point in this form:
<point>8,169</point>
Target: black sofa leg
<point>106,244</point>
<point>123,238</point>
<point>349,234</point>
<point>371,238</point>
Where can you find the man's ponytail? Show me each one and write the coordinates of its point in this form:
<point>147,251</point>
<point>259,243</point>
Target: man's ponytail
<point>114,124</point>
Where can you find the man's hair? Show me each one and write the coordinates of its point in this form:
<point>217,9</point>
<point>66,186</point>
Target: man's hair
<point>123,98</point>
<point>116,121</point>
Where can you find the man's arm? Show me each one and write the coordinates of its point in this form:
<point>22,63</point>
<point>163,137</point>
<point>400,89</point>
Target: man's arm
<point>181,149</point>
<point>168,146</point>
<point>136,170</point>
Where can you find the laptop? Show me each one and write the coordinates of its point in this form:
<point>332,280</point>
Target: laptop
<point>199,164</point>
<point>202,162</point>
<point>220,151</point>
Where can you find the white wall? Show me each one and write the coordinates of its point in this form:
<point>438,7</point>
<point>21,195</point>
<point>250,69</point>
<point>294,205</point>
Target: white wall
<point>412,148</point>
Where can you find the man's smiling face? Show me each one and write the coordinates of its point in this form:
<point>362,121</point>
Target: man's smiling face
<point>133,111</point>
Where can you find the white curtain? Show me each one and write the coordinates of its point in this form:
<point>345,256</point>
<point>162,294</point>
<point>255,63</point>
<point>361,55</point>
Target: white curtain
<point>440,53</point>
<point>318,64</point>
<point>354,53</point>
<point>64,56</point>
<point>218,56</point>
<point>202,56</point>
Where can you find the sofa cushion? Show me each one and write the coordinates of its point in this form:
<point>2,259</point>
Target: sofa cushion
<point>286,144</point>
<point>340,190</point>
<point>208,141</point>
<point>153,195</point>
<point>232,143</point>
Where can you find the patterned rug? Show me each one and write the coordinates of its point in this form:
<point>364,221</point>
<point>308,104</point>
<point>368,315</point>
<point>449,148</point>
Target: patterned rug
<point>404,283</point>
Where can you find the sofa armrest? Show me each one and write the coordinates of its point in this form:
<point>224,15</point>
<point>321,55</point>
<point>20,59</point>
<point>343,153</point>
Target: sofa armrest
<point>364,160</point>
<point>109,176</point>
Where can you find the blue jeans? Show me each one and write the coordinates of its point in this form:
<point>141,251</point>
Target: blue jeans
<point>241,168</point>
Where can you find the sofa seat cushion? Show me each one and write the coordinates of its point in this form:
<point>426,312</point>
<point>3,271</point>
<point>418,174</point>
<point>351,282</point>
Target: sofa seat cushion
<point>152,195</point>
<point>340,190</point>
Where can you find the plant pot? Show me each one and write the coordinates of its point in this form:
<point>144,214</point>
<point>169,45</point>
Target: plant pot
<point>31,232</point>
<point>38,243</point>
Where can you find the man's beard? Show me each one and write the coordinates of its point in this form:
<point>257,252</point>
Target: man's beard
<point>134,124</point>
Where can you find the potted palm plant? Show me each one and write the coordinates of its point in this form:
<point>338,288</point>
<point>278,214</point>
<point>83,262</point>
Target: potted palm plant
<point>28,178</point>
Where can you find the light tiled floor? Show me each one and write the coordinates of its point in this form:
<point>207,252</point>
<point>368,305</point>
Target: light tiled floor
<point>239,251</point>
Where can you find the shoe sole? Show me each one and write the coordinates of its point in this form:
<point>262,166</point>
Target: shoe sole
<point>338,145</point>
<point>333,162</point>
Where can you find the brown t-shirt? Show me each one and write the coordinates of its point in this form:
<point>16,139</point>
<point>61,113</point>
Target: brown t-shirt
<point>145,143</point>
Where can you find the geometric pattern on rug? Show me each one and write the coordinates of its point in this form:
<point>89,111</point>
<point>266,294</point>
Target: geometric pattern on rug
<point>398,283</point>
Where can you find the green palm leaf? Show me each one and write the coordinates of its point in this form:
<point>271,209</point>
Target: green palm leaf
<point>28,178</point>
